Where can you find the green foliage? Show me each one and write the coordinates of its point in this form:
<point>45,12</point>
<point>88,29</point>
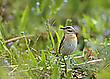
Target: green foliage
<point>24,19</point>
<point>53,44</point>
<point>104,74</point>
<point>84,31</point>
<point>31,54</point>
<point>54,73</point>
<point>0,35</point>
<point>68,22</point>
<point>35,57</point>
<point>43,59</point>
<point>59,40</point>
<point>2,74</point>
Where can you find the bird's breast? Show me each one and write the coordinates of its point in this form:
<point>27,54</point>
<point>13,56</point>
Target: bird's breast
<point>69,44</point>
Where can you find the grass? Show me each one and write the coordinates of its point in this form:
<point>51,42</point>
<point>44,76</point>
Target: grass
<point>34,53</point>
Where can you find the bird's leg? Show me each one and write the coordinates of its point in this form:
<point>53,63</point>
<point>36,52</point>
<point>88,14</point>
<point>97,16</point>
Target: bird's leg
<point>64,60</point>
<point>65,65</point>
<point>70,61</point>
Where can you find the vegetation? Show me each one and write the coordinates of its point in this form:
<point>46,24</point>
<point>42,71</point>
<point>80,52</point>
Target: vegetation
<point>30,36</point>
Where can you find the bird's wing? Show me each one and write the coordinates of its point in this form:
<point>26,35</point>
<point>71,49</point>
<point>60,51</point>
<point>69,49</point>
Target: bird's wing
<point>61,43</point>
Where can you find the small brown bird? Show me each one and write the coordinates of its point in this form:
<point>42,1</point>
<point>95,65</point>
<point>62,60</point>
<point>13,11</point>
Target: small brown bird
<point>69,41</point>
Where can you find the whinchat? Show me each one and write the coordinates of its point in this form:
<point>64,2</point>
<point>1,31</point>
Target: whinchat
<point>69,41</point>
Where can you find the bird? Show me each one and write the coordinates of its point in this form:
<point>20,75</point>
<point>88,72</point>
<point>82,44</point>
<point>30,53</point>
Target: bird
<point>68,43</point>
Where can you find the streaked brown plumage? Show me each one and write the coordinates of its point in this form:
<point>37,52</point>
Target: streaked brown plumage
<point>69,41</point>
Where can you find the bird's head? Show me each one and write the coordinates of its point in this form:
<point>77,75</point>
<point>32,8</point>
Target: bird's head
<point>69,30</point>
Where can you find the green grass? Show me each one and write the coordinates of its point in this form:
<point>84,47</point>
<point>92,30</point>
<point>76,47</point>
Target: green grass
<point>36,57</point>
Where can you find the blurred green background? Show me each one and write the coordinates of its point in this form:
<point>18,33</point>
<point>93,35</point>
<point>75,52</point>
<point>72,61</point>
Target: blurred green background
<point>42,18</point>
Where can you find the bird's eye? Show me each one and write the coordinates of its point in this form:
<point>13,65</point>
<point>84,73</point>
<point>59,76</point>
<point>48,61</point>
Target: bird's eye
<point>70,30</point>
<point>68,27</point>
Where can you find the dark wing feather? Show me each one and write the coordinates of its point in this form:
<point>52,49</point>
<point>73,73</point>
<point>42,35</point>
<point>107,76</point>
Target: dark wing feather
<point>61,43</point>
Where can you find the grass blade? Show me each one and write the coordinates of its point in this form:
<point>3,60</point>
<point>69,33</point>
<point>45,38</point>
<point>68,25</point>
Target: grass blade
<point>54,73</point>
<point>43,59</point>
<point>24,18</point>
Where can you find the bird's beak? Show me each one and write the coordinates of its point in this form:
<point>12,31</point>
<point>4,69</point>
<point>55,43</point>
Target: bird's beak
<point>63,28</point>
